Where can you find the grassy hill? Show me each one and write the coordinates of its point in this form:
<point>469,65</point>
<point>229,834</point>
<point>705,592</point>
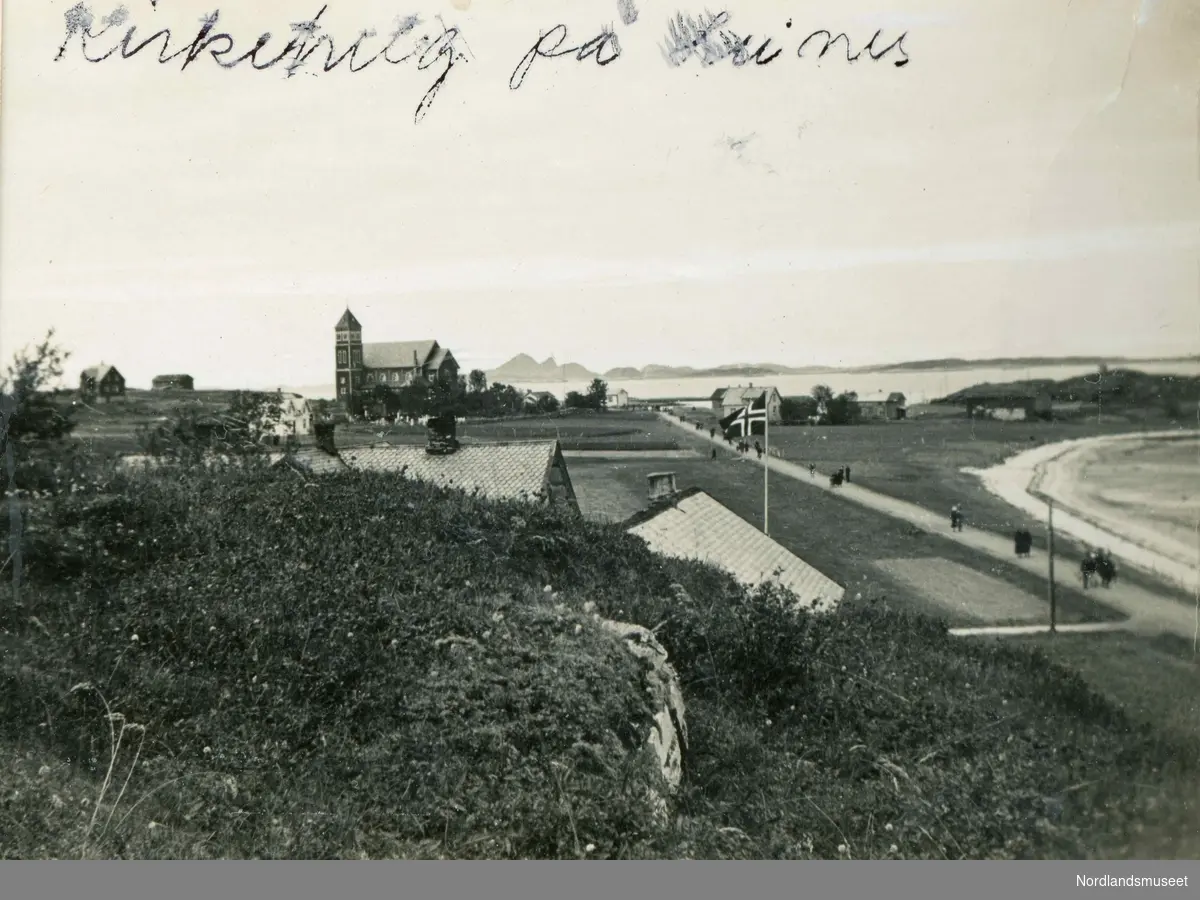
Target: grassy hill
<point>246,665</point>
<point>1117,389</point>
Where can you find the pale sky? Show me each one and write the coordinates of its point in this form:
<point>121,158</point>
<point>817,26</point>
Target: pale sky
<point>1029,184</point>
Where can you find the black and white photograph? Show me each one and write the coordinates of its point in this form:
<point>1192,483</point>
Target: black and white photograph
<point>600,430</point>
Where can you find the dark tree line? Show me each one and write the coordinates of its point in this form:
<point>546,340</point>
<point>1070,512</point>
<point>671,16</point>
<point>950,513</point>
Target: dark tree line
<point>823,405</point>
<point>466,397</point>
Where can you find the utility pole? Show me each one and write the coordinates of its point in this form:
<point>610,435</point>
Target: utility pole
<point>766,459</point>
<point>1050,554</point>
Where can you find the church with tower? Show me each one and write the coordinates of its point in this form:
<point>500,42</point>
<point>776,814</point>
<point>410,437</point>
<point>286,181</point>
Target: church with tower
<point>360,367</point>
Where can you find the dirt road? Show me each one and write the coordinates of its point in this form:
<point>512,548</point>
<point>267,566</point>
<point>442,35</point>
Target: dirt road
<point>1148,612</point>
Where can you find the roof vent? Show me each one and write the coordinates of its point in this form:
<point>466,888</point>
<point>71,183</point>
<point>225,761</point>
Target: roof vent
<point>440,437</point>
<point>323,432</point>
<point>661,486</point>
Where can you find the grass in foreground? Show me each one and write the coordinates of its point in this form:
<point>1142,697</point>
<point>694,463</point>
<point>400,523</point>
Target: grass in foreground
<point>371,667</point>
<point>1156,680</point>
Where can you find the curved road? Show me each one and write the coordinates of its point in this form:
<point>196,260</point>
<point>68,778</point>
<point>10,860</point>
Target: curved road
<point>1148,612</point>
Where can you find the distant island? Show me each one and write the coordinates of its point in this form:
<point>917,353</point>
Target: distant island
<point>524,368</point>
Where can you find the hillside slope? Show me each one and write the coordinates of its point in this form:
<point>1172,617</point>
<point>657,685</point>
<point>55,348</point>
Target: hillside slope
<point>287,653</point>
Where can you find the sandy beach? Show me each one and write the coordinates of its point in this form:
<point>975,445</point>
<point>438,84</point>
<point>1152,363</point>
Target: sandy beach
<point>1134,494</point>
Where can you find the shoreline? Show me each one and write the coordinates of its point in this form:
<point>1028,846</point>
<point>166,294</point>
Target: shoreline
<point>1031,478</point>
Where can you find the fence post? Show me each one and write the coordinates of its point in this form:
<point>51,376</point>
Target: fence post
<point>1050,555</point>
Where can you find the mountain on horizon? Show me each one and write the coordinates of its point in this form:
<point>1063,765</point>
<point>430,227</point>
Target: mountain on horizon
<point>524,367</point>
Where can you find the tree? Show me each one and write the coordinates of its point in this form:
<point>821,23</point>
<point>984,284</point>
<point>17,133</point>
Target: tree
<point>597,394</point>
<point>477,381</point>
<point>33,425</point>
<point>446,398</point>
<point>547,404</point>
<point>576,400</point>
<point>822,394</point>
<point>843,409</point>
<point>797,410</point>
<point>237,431</point>
<point>30,411</point>
<point>250,416</point>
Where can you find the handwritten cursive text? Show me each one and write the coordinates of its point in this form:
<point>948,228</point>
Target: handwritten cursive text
<point>307,39</point>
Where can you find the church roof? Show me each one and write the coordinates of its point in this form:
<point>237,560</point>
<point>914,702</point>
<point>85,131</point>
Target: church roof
<point>348,321</point>
<point>439,357</point>
<point>398,354</point>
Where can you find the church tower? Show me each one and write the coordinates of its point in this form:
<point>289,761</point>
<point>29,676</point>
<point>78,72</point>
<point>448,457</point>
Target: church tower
<point>349,354</point>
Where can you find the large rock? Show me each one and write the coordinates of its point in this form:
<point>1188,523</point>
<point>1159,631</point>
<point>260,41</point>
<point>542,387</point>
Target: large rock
<point>668,734</point>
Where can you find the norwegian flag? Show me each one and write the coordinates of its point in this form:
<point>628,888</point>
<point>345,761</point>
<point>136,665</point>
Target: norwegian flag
<point>748,420</point>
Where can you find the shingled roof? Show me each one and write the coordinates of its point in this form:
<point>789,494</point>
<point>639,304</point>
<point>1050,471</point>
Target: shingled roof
<point>311,459</point>
<point>501,471</point>
<point>398,354</point>
<point>695,526</point>
<point>347,322</point>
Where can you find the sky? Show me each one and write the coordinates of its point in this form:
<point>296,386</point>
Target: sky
<point>1027,184</point>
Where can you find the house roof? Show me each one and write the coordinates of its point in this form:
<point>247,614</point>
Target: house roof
<point>718,394</point>
<point>311,459</point>
<point>99,372</point>
<point>500,471</point>
<point>398,354</point>
<point>695,526</point>
<point>347,321</point>
<point>744,394</point>
<point>882,397</point>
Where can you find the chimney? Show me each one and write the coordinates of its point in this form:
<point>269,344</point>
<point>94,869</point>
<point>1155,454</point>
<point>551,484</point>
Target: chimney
<point>416,363</point>
<point>661,485</point>
<point>440,437</point>
<point>323,431</point>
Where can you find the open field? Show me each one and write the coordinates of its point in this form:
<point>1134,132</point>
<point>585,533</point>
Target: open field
<point>841,539</point>
<point>921,462</point>
<point>576,430</point>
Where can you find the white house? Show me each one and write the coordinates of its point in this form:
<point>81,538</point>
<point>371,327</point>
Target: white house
<point>295,418</point>
<point>726,401</point>
<point>619,400</point>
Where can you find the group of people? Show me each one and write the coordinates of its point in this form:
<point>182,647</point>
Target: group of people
<point>1098,564</point>
<point>957,518</point>
<point>838,478</point>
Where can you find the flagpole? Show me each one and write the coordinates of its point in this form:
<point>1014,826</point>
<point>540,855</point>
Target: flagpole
<point>766,458</point>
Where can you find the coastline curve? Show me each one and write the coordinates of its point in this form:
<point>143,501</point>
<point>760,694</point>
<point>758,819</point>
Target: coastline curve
<point>1030,479</point>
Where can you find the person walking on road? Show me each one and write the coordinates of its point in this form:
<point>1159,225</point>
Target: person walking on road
<point>812,470</point>
<point>847,474</point>
<point>956,518</point>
